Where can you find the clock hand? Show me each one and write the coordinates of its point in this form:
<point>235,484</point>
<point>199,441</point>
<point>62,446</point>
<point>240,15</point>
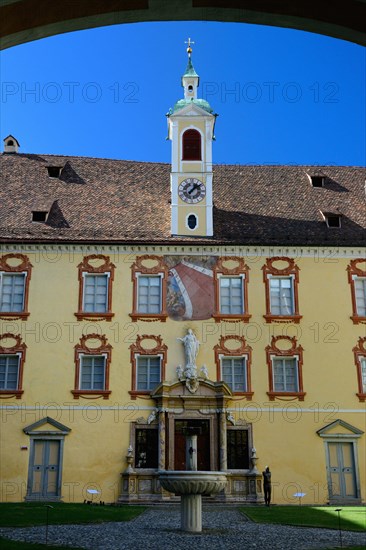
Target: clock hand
<point>195,186</point>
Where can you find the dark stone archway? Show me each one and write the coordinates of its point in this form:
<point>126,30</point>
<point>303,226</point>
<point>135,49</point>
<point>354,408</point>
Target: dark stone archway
<point>26,20</point>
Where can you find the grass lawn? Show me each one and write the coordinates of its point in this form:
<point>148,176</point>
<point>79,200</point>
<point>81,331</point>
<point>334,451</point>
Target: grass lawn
<point>27,514</point>
<point>353,518</point>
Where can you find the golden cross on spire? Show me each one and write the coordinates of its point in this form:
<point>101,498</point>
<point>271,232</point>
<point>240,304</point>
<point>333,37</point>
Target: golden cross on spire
<point>189,49</point>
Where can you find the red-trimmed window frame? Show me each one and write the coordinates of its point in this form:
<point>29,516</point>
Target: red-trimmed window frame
<point>19,349</point>
<point>242,271</point>
<point>355,272</point>
<point>81,350</point>
<point>159,270</point>
<point>105,269</point>
<point>296,352</point>
<point>359,354</point>
<point>137,350</point>
<point>242,350</point>
<point>24,267</point>
<point>194,136</point>
<point>291,271</point>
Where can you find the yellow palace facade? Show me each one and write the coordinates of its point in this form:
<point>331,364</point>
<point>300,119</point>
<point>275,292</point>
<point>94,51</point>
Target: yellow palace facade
<point>106,266</point>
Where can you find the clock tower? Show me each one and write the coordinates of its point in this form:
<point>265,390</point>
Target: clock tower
<point>191,130</point>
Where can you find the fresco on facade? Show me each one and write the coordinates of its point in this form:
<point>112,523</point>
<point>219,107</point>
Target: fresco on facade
<point>190,289</point>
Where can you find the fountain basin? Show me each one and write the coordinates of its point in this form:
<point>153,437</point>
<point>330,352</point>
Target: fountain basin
<point>188,482</point>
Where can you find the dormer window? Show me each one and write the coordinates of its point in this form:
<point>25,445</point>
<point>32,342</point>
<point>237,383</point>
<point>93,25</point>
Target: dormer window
<point>54,171</point>
<point>332,220</point>
<point>191,145</point>
<point>317,181</point>
<point>11,144</point>
<point>39,216</point>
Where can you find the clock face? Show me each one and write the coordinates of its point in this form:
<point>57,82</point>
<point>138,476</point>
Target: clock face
<point>192,190</point>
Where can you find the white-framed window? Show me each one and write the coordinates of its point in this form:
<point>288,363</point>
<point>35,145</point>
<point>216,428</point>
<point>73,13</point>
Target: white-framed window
<point>231,291</point>
<point>363,374</point>
<point>281,295</point>
<point>148,373</point>
<point>92,372</point>
<point>360,295</point>
<point>149,277</point>
<point>149,294</point>
<point>9,371</point>
<point>234,373</point>
<point>95,289</point>
<point>285,374</point>
<point>12,290</point>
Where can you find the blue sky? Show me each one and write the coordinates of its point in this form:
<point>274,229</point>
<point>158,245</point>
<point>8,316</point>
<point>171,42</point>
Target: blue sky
<point>283,96</point>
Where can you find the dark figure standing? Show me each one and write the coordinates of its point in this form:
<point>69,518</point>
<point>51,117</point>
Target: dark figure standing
<point>267,486</point>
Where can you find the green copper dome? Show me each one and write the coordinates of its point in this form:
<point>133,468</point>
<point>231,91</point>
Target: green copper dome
<point>184,102</point>
<point>190,69</point>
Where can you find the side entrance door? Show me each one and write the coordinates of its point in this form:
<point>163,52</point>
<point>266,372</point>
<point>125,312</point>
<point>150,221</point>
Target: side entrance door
<point>341,467</point>
<point>44,474</point>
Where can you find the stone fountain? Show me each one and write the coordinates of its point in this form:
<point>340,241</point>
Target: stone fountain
<point>191,483</point>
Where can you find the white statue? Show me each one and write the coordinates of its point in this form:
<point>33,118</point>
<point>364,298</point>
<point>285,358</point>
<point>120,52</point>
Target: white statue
<point>152,416</point>
<point>191,349</point>
<point>179,371</point>
<point>204,372</point>
<point>230,418</point>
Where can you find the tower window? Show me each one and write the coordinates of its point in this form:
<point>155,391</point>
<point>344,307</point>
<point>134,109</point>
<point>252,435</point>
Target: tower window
<point>192,221</point>
<point>190,88</point>
<point>191,145</point>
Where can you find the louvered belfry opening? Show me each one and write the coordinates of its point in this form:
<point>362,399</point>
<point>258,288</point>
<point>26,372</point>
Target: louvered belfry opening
<point>191,145</point>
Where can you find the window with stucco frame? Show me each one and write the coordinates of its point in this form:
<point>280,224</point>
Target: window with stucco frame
<point>11,355</point>
<point>13,268</point>
<point>285,277</point>
<point>149,347</point>
<point>224,297</point>
<point>89,347</point>
<point>360,361</point>
<point>231,348</point>
<point>357,281</point>
<point>96,274</point>
<point>145,268</point>
<point>284,348</point>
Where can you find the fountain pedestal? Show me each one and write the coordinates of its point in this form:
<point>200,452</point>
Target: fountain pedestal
<point>191,513</point>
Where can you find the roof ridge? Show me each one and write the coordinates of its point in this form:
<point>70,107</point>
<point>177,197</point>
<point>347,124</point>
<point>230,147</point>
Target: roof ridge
<point>218,164</point>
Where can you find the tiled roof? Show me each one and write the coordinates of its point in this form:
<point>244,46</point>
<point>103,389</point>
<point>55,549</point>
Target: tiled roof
<point>126,201</point>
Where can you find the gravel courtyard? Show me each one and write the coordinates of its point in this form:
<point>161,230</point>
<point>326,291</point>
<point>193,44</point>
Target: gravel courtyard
<point>158,528</point>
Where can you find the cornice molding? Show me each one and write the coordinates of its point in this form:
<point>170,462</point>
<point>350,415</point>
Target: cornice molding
<point>320,253</point>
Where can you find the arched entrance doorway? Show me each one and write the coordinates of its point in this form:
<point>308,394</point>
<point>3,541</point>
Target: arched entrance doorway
<point>27,20</point>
